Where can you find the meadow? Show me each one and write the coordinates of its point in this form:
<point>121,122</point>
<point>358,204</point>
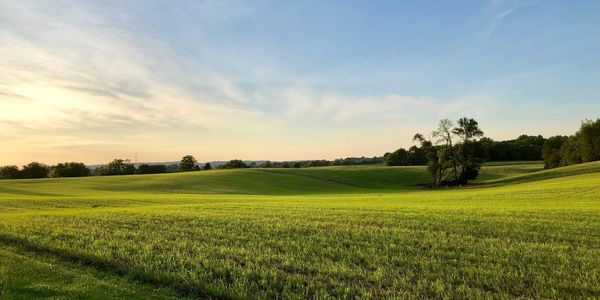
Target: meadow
<point>333,232</point>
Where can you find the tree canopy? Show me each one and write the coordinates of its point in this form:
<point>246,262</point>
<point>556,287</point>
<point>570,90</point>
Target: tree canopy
<point>187,163</point>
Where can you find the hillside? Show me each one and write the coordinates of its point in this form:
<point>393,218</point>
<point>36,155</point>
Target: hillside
<point>237,181</point>
<point>305,181</point>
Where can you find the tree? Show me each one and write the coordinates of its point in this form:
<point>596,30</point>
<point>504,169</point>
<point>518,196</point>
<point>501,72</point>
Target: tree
<point>234,164</point>
<point>449,162</point>
<point>207,167</point>
<point>445,153</point>
<point>34,170</point>
<point>297,165</point>
<point>551,151</point>
<point>396,158</point>
<point>434,167</point>
<point>9,172</point>
<point>266,164</point>
<point>69,169</point>
<point>151,169</point>
<point>187,163</point>
<point>468,154</point>
<point>416,156</point>
<point>569,152</point>
<point>589,140</point>
<point>116,167</point>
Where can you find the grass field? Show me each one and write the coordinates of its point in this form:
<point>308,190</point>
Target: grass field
<point>342,232</point>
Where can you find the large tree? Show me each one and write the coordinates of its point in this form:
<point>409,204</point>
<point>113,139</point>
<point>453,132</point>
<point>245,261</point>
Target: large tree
<point>445,155</point>
<point>69,169</point>
<point>34,170</point>
<point>9,172</point>
<point>468,153</point>
<point>450,161</point>
<point>187,163</point>
<point>234,164</point>
<point>116,167</point>
<point>551,151</point>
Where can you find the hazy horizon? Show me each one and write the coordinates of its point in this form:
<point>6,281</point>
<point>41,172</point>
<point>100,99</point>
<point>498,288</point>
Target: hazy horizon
<point>283,80</point>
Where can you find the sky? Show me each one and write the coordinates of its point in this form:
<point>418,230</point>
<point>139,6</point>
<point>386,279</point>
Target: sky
<point>285,80</point>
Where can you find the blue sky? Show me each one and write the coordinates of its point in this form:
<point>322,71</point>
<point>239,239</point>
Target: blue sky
<point>94,80</point>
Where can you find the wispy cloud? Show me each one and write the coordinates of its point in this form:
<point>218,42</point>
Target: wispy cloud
<point>502,10</point>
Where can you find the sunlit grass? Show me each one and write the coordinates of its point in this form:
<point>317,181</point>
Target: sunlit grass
<point>317,233</point>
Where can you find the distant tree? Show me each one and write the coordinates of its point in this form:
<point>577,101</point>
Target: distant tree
<point>9,172</point>
<point>234,164</point>
<point>297,165</point>
<point>445,153</point>
<point>449,161</point>
<point>34,170</point>
<point>434,165</point>
<point>569,153</point>
<point>396,158</point>
<point>583,146</point>
<point>416,156</point>
<point>252,165</point>
<point>188,163</point>
<point>151,169</point>
<point>551,151</point>
<point>207,167</point>
<point>266,164</point>
<point>69,169</point>
<point>469,153</point>
<point>285,165</point>
<point>172,168</point>
<point>589,140</point>
<point>116,167</point>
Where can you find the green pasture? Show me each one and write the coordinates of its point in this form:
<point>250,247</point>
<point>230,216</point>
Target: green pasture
<point>335,232</point>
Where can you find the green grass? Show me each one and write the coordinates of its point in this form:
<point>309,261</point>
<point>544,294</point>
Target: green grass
<point>340,232</point>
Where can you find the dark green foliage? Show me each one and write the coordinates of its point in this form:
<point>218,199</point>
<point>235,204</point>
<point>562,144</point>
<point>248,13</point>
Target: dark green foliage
<point>417,156</point>
<point>172,168</point>
<point>285,165</point>
<point>583,146</point>
<point>116,167</point>
<point>468,154</point>
<point>396,158</point>
<point>34,170</point>
<point>69,169</point>
<point>551,151</point>
<point>266,164</point>
<point>297,165</point>
<point>589,140</point>
<point>9,172</point>
<point>525,147</point>
<point>151,169</point>
<point>570,151</point>
<point>349,161</point>
<point>207,167</point>
<point>449,162</point>
<point>234,164</point>
<point>188,163</point>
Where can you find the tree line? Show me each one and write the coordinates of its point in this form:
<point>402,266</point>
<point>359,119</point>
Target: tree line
<point>581,147</point>
<point>525,147</point>
<point>188,163</point>
<point>454,154</point>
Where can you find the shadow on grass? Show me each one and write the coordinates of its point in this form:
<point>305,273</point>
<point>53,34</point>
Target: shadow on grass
<point>108,266</point>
